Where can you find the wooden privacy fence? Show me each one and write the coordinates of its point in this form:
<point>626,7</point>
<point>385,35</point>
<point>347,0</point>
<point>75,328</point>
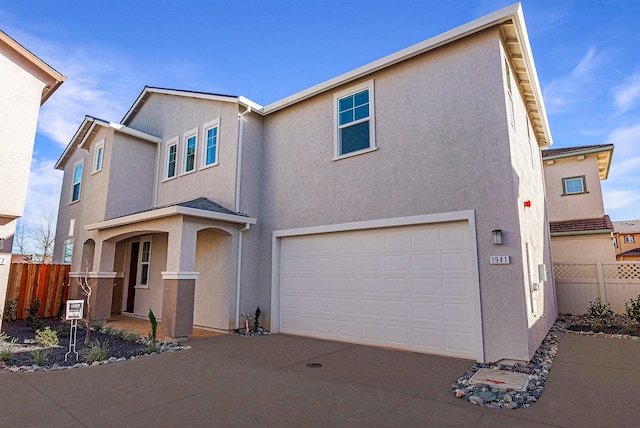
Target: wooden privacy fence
<point>47,282</point>
<point>579,283</point>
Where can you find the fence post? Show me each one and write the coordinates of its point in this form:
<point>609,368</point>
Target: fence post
<point>603,290</point>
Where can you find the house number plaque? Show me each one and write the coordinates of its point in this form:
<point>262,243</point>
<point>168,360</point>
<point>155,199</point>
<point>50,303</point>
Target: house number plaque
<point>499,260</point>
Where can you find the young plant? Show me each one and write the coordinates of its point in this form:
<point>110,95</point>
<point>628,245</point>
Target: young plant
<point>633,309</point>
<point>120,334</point>
<point>600,312</point>
<point>33,322</point>
<point>7,347</point>
<point>131,336</point>
<point>47,338</point>
<point>10,310</point>
<point>95,351</point>
<point>256,319</point>
<point>39,356</point>
<point>152,345</point>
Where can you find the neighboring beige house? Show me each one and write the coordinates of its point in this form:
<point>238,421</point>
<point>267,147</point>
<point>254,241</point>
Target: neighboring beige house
<point>626,240</point>
<point>26,82</point>
<point>400,204</point>
<point>580,229</point>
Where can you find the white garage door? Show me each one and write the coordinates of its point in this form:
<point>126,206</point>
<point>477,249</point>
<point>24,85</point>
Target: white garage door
<point>408,287</point>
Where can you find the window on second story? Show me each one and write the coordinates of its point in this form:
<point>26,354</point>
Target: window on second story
<point>574,185</point>
<point>98,157</point>
<point>628,239</point>
<point>210,152</point>
<point>354,112</point>
<point>615,242</point>
<point>190,149</point>
<point>171,159</point>
<point>77,181</point>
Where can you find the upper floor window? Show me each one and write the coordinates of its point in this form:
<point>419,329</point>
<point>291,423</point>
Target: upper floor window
<point>77,180</point>
<point>354,113</point>
<point>210,153</point>
<point>98,157</point>
<point>628,239</point>
<point>171,159</point>
<point>574,185</point>
<point>615,242</point>
<point>190,147</point>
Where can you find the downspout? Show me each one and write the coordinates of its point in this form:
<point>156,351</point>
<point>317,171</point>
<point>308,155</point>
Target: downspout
<point>237,209</point>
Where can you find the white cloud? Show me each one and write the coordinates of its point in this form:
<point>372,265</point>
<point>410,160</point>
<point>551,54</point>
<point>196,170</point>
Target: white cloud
<point>579,85</point>
<point>626,142</point>
<point>618,199</point>
<point>43,193</point>
<point>627,93</point>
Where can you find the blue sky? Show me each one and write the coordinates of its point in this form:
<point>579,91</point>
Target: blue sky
<point>586,53</point>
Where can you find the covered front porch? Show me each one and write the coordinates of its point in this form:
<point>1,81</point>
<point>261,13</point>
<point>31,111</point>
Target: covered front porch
<point>179,261</point>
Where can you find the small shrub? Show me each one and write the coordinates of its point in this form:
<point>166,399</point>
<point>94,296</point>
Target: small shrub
<point>63,330</point>
<point>628,329</point>
<point>33,322</point>
<point>599,310</point>
<point>131,336</point>
<point>10,310</point>
<point>119,334</point>
<point>97,325</point>
<point>154,325</point>
<point>95,351</point>
<point>151,347</point>
<point>47,338</point>
<point>7,346</point>
<point>633,309</point>
<point>40,356</point>
<point>106,330</point>
<point>256,319</point>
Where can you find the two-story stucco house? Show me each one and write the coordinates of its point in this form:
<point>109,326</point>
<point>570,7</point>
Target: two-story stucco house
<point>26,82</point>
<point>400,204</point>
<point>626,240</point>
<point>580,229</point>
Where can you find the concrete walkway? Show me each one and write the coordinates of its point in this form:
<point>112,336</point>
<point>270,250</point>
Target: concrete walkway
<point>264,381</point>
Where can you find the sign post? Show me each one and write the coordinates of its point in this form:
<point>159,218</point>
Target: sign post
<point>75,309</point>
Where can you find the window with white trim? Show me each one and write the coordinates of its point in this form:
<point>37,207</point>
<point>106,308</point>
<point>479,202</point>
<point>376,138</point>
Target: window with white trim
<point>98,157</point>
<point>508,79</point>
<point>144,258</point>
<point>615,243</point>
<point>77,181</point>
<point>211,132</point>
<point>628,239</point>
<point>68,251</point>
<point>354,118</point>
<point>190,141</point>
<point>574,185</point>
<point>171,159</point>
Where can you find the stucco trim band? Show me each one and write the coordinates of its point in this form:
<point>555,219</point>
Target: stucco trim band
<point>179,275</point>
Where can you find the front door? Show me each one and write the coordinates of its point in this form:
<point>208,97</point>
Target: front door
<point>133,276</point>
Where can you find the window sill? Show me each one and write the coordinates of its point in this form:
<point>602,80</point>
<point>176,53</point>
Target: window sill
<point>141,287</point>
<point>208,166</point>
<point>193,171</point>
<point>359,152</point>
<point>168,179</point>
<point>74,202</point>
<point>95,172</point>
<point>577,193</point>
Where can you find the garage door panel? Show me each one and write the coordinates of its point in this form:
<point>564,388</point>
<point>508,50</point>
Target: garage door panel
<point>408,287</point>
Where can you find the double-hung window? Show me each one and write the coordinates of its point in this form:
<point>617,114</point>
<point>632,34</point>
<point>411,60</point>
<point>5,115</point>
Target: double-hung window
<point>628,239</point>
<point>171,159</point>
<point>210,136</point>
<point>77,181</point>
<point>354,113</point>
<point>145,260</point>
<point>190,148</point>
<point>98,157</point>
<point>573,185</point>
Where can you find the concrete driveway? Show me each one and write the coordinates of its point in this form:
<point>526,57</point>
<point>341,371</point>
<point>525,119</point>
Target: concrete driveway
<point>265,381</point>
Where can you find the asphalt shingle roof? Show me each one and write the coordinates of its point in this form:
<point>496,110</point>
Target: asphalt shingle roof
<point>600,223</point>
<point>567,150</point>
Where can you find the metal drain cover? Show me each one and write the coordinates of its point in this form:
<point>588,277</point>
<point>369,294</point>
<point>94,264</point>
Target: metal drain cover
<point>501,378</point>
<point>314,365</point>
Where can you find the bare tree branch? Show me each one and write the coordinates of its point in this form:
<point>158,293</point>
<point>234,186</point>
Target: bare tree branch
<point>43,235</point>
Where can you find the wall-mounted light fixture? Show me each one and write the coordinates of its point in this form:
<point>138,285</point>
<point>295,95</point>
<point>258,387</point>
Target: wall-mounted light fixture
<point>497,236</point>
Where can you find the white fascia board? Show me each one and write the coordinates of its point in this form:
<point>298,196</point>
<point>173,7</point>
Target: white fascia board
<point>254,106</point>
<point>510,12</point>
<point>85,123</point>
<point>167,212</point>
<point>119,128</point>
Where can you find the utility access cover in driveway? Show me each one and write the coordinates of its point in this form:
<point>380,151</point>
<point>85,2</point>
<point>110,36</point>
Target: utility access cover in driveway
<point>501,379</point>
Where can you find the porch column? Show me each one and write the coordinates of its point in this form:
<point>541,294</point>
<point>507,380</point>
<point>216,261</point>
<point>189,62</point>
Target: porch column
<point>177,304</point>
<point>101,284</point>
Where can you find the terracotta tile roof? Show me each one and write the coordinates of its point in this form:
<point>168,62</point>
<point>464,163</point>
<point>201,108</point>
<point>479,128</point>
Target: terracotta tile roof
<point>634,252</point>
<point>567,150</point>
<point>630,226</point>
<point>587,224</point>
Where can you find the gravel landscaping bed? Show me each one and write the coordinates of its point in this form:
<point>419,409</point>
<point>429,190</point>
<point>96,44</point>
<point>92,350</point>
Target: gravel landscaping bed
<point>128,346</point>
<point>538,369</point>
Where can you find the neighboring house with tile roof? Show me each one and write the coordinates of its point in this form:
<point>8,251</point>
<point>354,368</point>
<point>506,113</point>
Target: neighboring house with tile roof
<point>26,82</point>
<point>362,209</point>
<point>580,229</point>
<point>626,240</point>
